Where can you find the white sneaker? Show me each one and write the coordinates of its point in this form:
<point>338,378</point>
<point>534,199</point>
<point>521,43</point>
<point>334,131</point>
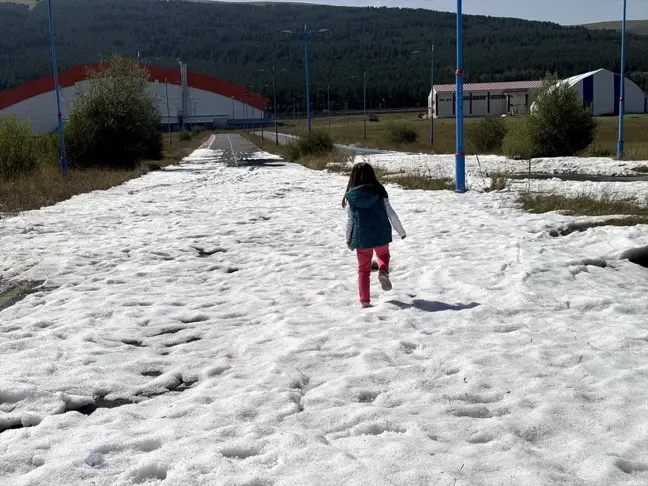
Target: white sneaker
<point>383,278</point>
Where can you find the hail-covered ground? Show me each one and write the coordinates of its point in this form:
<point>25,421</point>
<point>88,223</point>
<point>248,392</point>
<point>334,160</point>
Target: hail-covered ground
<point>200,326</point>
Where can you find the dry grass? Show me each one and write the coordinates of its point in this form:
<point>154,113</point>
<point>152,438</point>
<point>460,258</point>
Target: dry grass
<point>178,149</point>
<point>586,205</point>
<point>411,180</point>
<point>499,183</point>
<point>348,130</point>
<point>47,186</point>
<point>643,169</point>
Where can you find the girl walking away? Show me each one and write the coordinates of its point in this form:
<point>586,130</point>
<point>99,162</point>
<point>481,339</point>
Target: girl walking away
<point>370,218</point>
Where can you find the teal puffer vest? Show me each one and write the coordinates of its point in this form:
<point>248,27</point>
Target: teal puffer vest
<point>371,226</point>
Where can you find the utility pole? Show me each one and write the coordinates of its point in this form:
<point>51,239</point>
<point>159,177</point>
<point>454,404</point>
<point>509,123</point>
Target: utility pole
<point>623,69</point>
<point>304,35</point>
<point>166,88</point>
<point>364,126</point>
<point>64,166</point>
<point>328,107</point>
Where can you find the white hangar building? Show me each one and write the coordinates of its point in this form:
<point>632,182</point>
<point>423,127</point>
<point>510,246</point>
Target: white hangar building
<point>193,99</point>
<point>599,89</point>
<point>483,99</point>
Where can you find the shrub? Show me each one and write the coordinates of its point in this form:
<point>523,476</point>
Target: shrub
<point>401,133</point>
<point>519,143</point>
<point>18,151</point>
<point>487,135</point>
<point>317,142</point>
<point>47,147</point>
<point>558,125</point>
<point>291,152</point>
<point>185,136</point>
<point>114,122</point>
<point>195,131</point>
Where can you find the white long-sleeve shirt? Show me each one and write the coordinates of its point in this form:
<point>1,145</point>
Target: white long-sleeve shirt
<point>391,214</point>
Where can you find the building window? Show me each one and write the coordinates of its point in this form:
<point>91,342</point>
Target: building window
<point>479,98</point>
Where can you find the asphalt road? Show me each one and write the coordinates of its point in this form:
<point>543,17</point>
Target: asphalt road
<point>238,151</point>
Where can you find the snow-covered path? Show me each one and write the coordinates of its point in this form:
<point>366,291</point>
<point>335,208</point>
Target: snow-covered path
<point>213,310</point>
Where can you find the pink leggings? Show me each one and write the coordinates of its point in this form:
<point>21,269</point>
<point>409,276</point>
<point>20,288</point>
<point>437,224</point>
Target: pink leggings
<point>364,269</point>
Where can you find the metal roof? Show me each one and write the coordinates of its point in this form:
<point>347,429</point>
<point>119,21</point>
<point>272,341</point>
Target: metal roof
<point>80,73</point>
<point>506,86</point>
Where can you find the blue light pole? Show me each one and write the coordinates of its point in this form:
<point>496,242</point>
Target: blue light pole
<point>304,35</point>
<point>433,98</point>
<point>64,167</point>
<point>623,69</point>
<point>460,158</point>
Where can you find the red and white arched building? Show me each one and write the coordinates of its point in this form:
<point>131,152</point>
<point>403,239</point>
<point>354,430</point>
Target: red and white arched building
<point>193,99</point>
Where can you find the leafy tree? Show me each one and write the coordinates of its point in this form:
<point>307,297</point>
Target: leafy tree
<point>114,121</point>
<point>487,134</point>
<point>558,125</point>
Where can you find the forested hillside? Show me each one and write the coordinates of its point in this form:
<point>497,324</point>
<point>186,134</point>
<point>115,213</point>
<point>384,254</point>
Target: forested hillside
<point>634,26</point>
<point>235,41</point>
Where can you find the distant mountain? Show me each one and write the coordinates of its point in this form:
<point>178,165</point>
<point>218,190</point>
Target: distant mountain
<point>635,26</point>
<point>235,41</point>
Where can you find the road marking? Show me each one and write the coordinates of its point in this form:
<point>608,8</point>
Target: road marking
<point>208,144</point>
<point>232,148</point>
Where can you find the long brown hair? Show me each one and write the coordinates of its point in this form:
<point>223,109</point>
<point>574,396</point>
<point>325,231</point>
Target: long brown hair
<point>363,174</point>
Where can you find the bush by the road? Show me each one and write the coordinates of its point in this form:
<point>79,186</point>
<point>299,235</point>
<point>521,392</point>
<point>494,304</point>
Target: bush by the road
<point>18,149</point>
<point>401,133</point>
<point>486,135</point>
<point>114,122</point>
<point>558,125</point>
<point>317,142</point>
<point>520,140</point>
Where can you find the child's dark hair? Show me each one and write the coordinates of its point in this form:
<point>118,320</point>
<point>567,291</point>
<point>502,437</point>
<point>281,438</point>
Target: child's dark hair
<point>363,174</point>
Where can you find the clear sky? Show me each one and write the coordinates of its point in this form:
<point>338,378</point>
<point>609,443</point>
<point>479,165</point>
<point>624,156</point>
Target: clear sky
<point>561,11</point>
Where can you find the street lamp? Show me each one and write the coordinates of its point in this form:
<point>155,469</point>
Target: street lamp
<point>328,106</point>
<point>364,109</point>
<point>274,73</point>
<point>460,157</point>
<point>431,114</point>
<point>64,167</point>
<point>304,36</point>
<point>622,96</point>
